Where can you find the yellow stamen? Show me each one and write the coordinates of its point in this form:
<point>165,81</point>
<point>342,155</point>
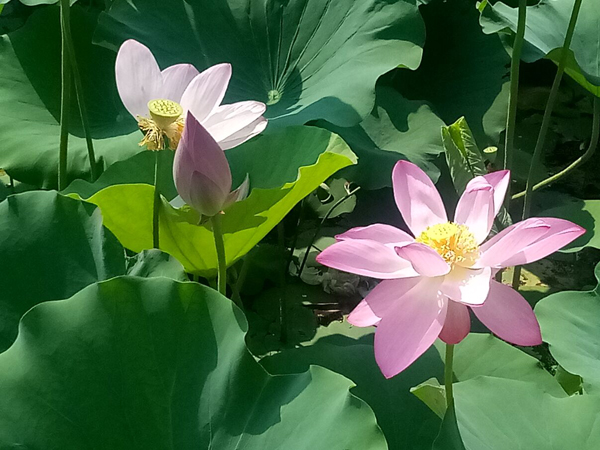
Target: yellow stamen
<point>165,124</point>
<point>455,243</point>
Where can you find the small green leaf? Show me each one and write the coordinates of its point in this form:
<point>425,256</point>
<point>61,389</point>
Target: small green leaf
<point>154,263</point>
<point>569,322</point>
<point>462,154</point>
<point>433,395</point>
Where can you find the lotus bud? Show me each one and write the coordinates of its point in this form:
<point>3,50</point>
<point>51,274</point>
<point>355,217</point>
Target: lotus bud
<point>201,170</point>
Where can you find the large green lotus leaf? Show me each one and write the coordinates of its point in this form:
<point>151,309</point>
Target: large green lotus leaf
<point>307,59</point>
<point>135,363</point>
<point>502,414</point>
<point>464,71</point>
<point>406,422</point>
<point>482,354</point>
<point>585,213</point>
<point>52,246</point>
<point>283,168</point>
<point>569,322</point>
<point>30,100</point>
<point>396,129</point>
<point>547,24</point>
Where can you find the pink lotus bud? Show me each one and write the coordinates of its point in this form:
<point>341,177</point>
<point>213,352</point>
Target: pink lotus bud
<point>201,170</point>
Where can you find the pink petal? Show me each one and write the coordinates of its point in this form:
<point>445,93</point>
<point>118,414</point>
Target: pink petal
<point>499,181</point>
<point>363,316</point>
<point>560,233</point>
<point>206,91</point>
<point>175,80</point>
<point>409,327</point>
<point>201,170</point>
<point>138,77</point>
<point>246,133</point>
<point>385,295</point>
<point>511,241</point>
<point>239,194</point>
<point>379,232</point>
<point>417,198</point>
<point>425,260</point>
<point>508,315</point>
<point>367,258</point>
<point>226,120</point>
<point>475,208</point>
<point>466,285</point>
<point>457,324</point>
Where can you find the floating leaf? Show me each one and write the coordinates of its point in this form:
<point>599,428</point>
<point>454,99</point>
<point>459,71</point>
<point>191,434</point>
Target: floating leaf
<point>30,100</point>
<point>283,168</point>
<point>547,24</point>
<point>51,246</point>
<point>569,322</point>
<point>396,129</point>
<point>154,363</point>
<point>464,71</point>
<point>306,59</point>
<point>406,422</point>
<point>501,414</point>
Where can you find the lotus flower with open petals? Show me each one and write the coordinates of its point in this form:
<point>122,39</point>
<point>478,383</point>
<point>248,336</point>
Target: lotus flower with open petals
<point>159,100</point>
<point>430,278</point>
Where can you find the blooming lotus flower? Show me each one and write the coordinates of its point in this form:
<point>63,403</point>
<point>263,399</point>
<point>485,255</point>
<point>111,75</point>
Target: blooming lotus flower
<point>159,100</point>
<point>201,171</point>
<point>432,278</point>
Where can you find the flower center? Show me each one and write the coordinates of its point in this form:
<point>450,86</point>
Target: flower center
<point>455,243</point>
<point>164,128</point>
<point>164,112</point>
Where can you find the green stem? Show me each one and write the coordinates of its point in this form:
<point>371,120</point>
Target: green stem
<point>283,313</point>
<point>65,102</point>
<point>236,295</point>
<point>579,161</point>
<point>515,63</point>
<point>156,203</point>
<point>537,152</point>
<point>448,375</point>
<point>221,261</point>
<point>80,100</point>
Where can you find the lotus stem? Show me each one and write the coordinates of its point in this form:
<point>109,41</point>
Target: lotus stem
<point>579,161</point>
<point>65,100</point>
<point>537,152</point>
<point>448,376</point>
<point>80,100</point>
<point>221,261</point>
<point>156,203</point>
<point>511,118</point>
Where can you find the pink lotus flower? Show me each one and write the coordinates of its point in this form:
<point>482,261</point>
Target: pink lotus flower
<point>430,280</point>
<point>159,100</point>
<point>201,171</point>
